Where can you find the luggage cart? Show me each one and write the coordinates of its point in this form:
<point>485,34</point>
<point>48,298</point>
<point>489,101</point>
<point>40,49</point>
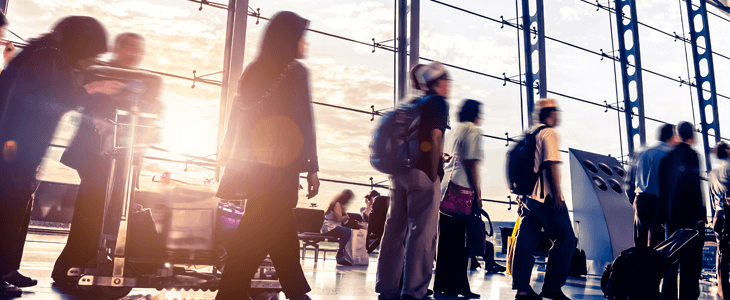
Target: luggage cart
<point>114,272</point>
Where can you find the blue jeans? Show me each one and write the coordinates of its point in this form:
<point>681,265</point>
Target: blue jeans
<point>536,216</point>
<point>344,234</point>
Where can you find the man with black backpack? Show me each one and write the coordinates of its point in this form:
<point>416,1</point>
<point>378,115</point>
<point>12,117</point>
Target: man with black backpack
<point>543,208</point>
<point>415,197</point>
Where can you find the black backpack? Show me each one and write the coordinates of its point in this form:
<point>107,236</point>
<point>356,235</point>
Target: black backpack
<point>521,165</point>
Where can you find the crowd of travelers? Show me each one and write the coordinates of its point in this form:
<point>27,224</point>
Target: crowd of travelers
<point>427,232</point>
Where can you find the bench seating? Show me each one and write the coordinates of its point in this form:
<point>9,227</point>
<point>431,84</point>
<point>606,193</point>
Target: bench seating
<point>309,223</point>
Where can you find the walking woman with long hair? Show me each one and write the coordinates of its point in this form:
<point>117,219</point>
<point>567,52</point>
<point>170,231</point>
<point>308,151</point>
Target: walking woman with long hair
<point>269,141</point>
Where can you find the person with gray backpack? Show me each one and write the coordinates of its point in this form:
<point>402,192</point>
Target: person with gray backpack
<point>408,145</point>
<point>543,207</point>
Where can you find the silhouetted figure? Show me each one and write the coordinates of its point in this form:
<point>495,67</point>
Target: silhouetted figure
<point>415,200</point>
<point>8,45</point>
<point>335,216</point>
<point>463,144</point>
<point>544,209</point>
<point>680,190</point>
<point>36,89</point>
<point>86,157</point>
<point>644,181</point>
<point>719,181</point>
<point>270,139</point>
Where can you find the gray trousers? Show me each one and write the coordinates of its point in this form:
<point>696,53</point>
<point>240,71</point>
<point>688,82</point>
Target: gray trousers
<point>536,216</point>
<point>413,217</point>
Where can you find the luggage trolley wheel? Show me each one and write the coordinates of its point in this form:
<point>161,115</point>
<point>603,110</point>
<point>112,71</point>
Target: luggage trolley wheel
<point>102,292</point>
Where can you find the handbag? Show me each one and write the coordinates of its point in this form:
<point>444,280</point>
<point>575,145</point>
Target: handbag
<point>245,177</point>
<point>457,200</point>
<point>476,232</point>
<point>511,246</point>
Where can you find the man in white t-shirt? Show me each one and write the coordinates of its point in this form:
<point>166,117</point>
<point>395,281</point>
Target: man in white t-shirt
<point>544,209</point>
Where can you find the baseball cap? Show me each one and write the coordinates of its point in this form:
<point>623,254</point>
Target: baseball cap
<point>430,72</point>
<point>546,103</point>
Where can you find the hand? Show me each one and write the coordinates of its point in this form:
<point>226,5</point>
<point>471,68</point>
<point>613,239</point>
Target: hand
<point>718,221</point>
<point>559,205</point>
<point>8,53</point>
<point>103,127</point>
<point>313,185</point>
<point>106,87</point>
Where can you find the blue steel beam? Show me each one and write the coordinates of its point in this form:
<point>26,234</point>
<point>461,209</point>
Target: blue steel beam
<point>534,25</point>
<point>700,36</point>
<point>630,54</point>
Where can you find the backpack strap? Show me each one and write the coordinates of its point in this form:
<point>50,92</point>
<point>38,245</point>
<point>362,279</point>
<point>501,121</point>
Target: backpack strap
<point>541,168</point>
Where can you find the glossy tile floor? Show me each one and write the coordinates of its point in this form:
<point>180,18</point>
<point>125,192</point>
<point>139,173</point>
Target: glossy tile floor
<point>328,280</point>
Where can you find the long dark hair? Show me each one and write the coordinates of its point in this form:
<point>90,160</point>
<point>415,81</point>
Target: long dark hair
<point>278,49</point>
<point>79,37</point>
<point>343,198</point>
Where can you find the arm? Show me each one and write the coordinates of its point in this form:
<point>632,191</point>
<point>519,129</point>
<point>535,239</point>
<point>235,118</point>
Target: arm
<point>437,136</point>
<point>631,180</point>
<point>366,212</point>
<point>553,179</point>
<point>340,214</point>
<point>472,174</point>
<point>306,122</point>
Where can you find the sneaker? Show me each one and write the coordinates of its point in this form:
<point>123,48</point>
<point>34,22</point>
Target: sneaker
<point>554,295</point>
<point>470,295</point>
<point>530,296</point>
<point>19,280</point>
<point>495,269</point>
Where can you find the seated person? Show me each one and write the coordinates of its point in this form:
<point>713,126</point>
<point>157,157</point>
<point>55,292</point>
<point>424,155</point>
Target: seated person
<point>334,218</point>
<point>376,221</point>
<point>369,199</point>
<point>490,265</point>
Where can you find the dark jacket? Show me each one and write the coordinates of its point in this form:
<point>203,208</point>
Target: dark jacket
<point>278,131</point>
<point>85,150</point>
<point>679,187</point>
<point>36,89</point>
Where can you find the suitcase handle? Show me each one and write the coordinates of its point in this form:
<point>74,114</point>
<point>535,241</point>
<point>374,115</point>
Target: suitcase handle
<point>577,223</point>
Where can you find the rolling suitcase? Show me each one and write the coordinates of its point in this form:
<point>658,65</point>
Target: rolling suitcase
<point>636,273</point>
<point>578,265</point>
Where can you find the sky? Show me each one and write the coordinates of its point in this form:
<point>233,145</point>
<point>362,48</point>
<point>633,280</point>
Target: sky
<point>181,38</point>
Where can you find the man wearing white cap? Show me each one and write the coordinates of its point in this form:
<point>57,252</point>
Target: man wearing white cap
<point>415,200</point>
<point>544,209</point>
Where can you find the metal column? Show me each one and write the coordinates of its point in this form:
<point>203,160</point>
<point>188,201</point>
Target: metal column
<point>630,54</point>
<point>415,33</point>
<point>402,45</point>
<point>232,61</point>
<point>704,81</point>
<point>4,6</point>
<point>533,78</point>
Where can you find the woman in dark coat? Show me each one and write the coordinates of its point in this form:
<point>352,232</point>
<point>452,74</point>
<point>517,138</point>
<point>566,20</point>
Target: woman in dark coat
<point>269,141</point>
<point>36,89</point>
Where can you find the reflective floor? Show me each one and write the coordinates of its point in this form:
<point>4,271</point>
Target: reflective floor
<point>328,280</point>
